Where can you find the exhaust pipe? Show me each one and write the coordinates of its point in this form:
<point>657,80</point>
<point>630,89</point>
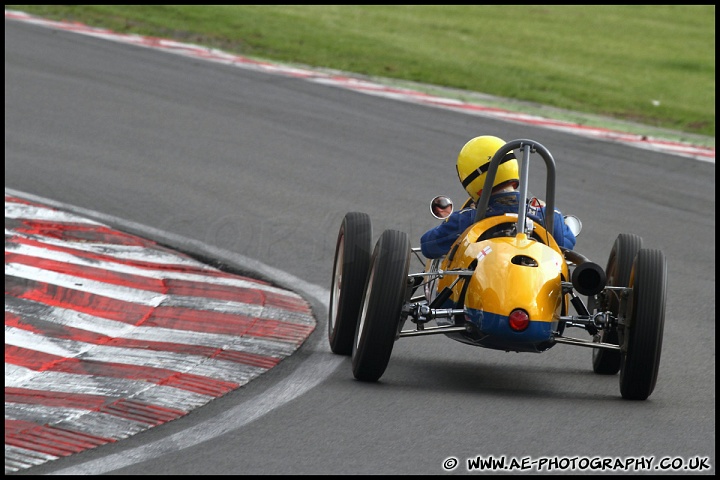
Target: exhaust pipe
<point>589,278</point>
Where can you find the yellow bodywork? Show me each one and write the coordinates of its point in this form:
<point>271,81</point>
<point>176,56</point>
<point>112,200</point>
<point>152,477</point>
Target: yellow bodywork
<point>511,272</point>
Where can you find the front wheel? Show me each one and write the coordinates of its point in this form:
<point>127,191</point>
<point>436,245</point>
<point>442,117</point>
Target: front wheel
<point>350,269</point>
<point>644,333</point>
<point>619,267</point>
<point>385,293</point>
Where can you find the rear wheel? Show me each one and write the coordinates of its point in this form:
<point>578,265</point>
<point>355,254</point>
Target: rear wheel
<point>350,269</point>
<point>644,333</point>
<point>385,294</point>
<point>619,267</point>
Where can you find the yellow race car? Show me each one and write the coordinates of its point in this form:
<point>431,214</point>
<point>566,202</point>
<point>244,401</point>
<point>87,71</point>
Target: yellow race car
<point>506,285</point>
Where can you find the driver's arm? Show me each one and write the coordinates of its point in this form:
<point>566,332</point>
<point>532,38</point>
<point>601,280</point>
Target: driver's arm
<point>437,241</point>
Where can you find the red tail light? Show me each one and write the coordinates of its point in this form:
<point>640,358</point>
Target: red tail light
<point>519,320</point>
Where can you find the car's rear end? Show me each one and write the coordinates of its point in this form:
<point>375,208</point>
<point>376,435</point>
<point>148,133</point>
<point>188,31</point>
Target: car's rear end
<point>514,299</point>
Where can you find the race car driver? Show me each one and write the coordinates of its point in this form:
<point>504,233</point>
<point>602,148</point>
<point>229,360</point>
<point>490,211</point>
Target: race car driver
<point>472,164</point>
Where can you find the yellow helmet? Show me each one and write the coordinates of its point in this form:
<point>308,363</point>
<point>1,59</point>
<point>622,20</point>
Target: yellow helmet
<point>473,162</point>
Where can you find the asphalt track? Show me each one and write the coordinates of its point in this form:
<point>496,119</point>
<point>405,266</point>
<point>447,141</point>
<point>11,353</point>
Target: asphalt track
<point>309,419</point>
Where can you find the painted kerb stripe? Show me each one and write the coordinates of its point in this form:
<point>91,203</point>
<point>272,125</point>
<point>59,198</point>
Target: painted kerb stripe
<point>108,334</point>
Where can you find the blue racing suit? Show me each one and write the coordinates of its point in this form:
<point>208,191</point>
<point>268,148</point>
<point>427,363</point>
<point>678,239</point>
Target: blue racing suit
<point>437,241</point>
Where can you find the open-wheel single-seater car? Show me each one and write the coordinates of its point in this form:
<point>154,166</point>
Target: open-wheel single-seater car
<point>505,284</point>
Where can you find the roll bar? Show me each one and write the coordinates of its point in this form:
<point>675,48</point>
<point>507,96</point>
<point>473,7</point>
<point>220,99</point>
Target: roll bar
<point>528,147</point>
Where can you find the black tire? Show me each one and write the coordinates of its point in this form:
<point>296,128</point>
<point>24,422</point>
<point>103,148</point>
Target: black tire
<point>385,294</point>
<point>350,269</point>
<point>643,336</point>
<point>619,267</point>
